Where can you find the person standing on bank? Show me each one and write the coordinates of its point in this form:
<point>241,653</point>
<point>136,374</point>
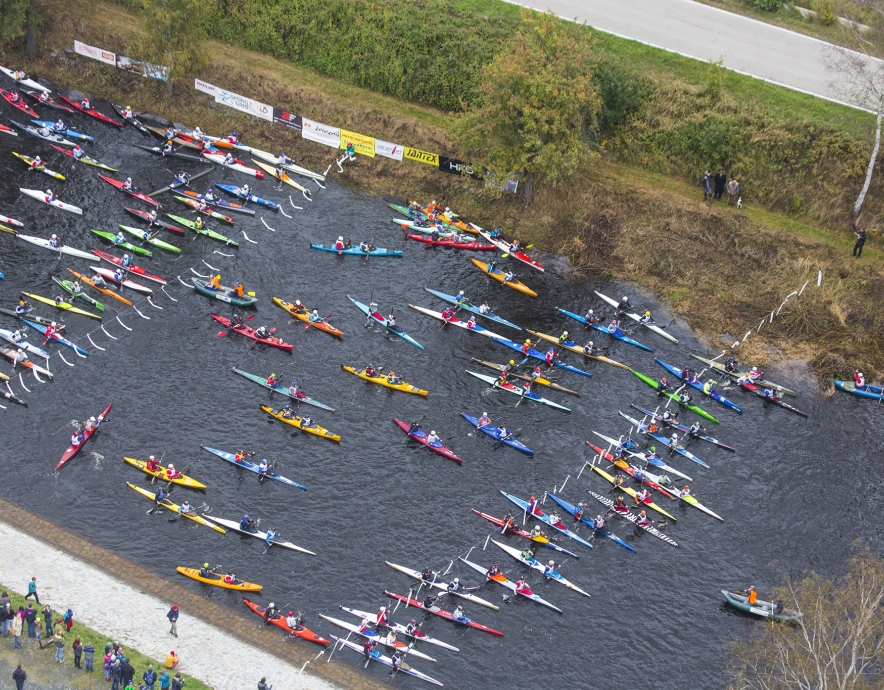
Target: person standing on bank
<point>32,590</point>
<point>720,181</point>
<point>19,676</point>
<point>860,241</point>
<point>173,619</point>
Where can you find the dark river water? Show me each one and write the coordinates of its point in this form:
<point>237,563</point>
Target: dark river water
<point>795,496</point>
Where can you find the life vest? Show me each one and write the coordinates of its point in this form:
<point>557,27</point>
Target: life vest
<point>753,597</point>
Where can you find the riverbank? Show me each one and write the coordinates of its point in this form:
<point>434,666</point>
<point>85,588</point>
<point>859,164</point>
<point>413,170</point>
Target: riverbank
<point>721,268</point>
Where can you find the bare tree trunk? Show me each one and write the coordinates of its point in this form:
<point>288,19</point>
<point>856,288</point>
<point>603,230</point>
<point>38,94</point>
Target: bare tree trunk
<point>528,189</point>
<point>862,195</point>
<point>31,32</point>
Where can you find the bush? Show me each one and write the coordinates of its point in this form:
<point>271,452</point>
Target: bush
<point>825,10</point>
<point>622,93</point>
<point>765,5</point>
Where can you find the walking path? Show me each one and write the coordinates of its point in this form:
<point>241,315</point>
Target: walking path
<point>707,33</point>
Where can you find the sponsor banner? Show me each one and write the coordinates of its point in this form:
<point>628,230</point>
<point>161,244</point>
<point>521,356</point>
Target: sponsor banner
<point>205,87</point>
<point>361,143</point>
<point>388,150</point>
<point>283,117</point>
<point>455,167</point>
<point>243,104</point>
<point>95,53</point>
<point>320,133</point>
<point>421,156</point>
<point>145,69</point>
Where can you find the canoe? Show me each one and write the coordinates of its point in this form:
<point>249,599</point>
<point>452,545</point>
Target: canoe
<point>510,388</point>
<point>416,634</point>
<point>128,246</point>
<point>574,347</point>
<point>64,249</point>
<point>150,239</point>
<point>131,119</point>
<point>72,451</point>
<point>224,293</point>
<point>208,232</point>
<point>377,317</point>
<point>91,111</point>
<point>548,519</point>
<point>718,366</point>
<point>279,621</point>
<point>131,284</point>
<point>298,423</point>
<point>41,328</point>
<point>534,564</point>
<point>378,251</point>
<point>106,291</point>
<point>233,526</point>
<point>370,634</point>
<point>277,388</point>
<point>501,579</point>
<point>131,192</point>
<point>131,268</point>
<point>64,132</point>
<point>7,335</point>
<point>272,341</point>
<point>696,384</point>
<point>52,137</point>
<point>442,613</point>
<point>68,286</point>
<point>506,248</point>
<point>634,519</point>
<point>305,317</point>
<point>465,304</point>
<point>629,491</point>
<point>195,205</point>
<point>454,321</point>
<point>174,154</point>
<point>384,660</point>
<point>49,102</point>
<point>498,275</point>
<point>163,475</point>
<point>87,160</point>
<point>637,318</point>
<point>20,103</point>
<point>683,428</point>
<point>495,433</point>
<point>169,505</point>
<point>672,396</point>
<point>64,306</point>
<point>618,335</point>
<point>435,584</point>
<point>271,170</point>
<point>218,158</point>
<point>524,377</point>
<point>253,467</point>
<point>41,196</point>
<point>752,388</point>
<point>218,580</point>
<point>589,522</point>
<point>11,355</point>
<point>420,436</point>
<point>537,539</point>
<point>27,160</point>
<point>764,609</point>
<point>381,380</point>
<point>870,391</point>
<point>451,244</point>
<point>220,203</point>
<point>539,356</point>
<point>25,81</point>
<point>233,190</point>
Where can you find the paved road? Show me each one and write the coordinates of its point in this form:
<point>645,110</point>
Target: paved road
<point>707,33</point>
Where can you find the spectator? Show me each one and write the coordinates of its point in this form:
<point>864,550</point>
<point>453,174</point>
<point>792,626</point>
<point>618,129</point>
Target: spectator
<point>59,628</point>
<point>68,619</point>
<point>149,677</point>
<point>78,652</point>
<point>706,183</point>
<point>59,648</point>
<point>720,180</point>
<point>860,241</point>
<point>177,682</point>
<point>128,671</point>
<point>262,685</point>
<point>17,624</point>
<point>89,653</point>
<point>30,619</point>
<point>32,590</point>
<point>165,681</point>
<point>173,619</point>
<point>172,659</point>
<point>116,674</point>
<point>733,192</point>
<point>129,686</point>
<point>19,676</point>
<point>47,618</point>
<point>5,619</point>
<point>108,665</point>
<point>4,599</point>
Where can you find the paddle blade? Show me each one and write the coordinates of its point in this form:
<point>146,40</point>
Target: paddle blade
<point>222,334</point>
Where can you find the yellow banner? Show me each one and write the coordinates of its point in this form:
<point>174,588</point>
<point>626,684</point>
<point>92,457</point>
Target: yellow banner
<point>361,143</point>
<point>421,156</point>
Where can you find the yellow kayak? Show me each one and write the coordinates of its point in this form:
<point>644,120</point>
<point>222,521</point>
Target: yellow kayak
<point>381,380</point>
<point>218,580</point>
<point>163,475</point>
<point>631,492</point>
<point>64,306</point>
<point>577,349</point>
<point>297,422</point>
<point>168,505</point>
<point>498,275</point>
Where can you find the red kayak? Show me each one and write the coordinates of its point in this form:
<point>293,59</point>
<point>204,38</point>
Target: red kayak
<point>8,130</point>
<point>69,454</point>
<point>451,244</point>
<point>91,111</point>
<point>132,268</point>
<point>250,333</point>
<point>442,613</point>
<point>49,102</point>
<point>421,437</point>
<point>21,105</point>
<point>143,215</point>
<point>279,621</point>
<point>131,192</point>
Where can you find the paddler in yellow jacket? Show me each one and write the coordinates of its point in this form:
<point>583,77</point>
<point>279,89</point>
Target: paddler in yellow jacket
<point>215,282</point>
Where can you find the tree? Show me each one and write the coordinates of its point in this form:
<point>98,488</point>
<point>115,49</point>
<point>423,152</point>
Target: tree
<point>838,645</point>
<point>176,35</point>
<point>536,103</point>
<point>19,18</point>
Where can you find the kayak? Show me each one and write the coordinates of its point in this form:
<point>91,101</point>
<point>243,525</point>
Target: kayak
<point>502,580</point>
<point>163,475</point>
<point>131,284</point>
<point>217,580</point>
<point>68,286</point>
<point>510,388</point>
<point>452,223</point>
<point>300,397</point>
<point>20,103</point>
<point>601,329</point>
<point>223,293</point>
<point>195,205</point>
<point>203,230</point>
<point>634,519</point>
<point>185,140</point>
<point>284,178</point>
<point>250,333</point>
<point>381,380</point>
<point>150,239</point>
<point>8,130</point>
<point>695,383</point>
<point>589,522</point>
<point>298,423</point>
<point>146,217</point>
<point>64,306</point>
<point>536,354</point>
<point>279,621</point>
<point>72,451</point>
<point>524,377</point>
<point>41,196</point>
<point>420,436</point>
<point>131,119</point>
<point>764,609</point>
<point>370,634</point>
<point>451,244</point>
<point>27,160</point>
<point>548,519</point>
<point>40,328</point>
<point>11,221</point>
<point>305,317</point>
<point>221,203</point>
<point>169,505</point>
<point>752,388</point>
<point>377,251</point>
<point>49,102</point>
<point>128,246</point>
<point>447,232</point>
<point>534,564</point>
<point>27,315</point>
<point>873,392</point>
<point>735,374</point>
<point>64,249</point>
<point>88,160</point>
<point>291,167</point>
<point>498,275</point>
<point>7,335</point>
<point>5,395</point>
<point>131,268</point>
<point>681,427</point>
<point>630,492</point>
<point>90,111</point>
<point>233,525</point>
<point>131,192</point>
<point>656,461</point>
<point>51,137</point>
<point>414,574</point>
<point>442,613</point>
<point>464,304</point>
<point>385,660</point>
<point>495,433</point>
<point>65,132</point>
<point>454,321</point>
<point>416,634</point>
<point>88,281</point>
<point>574,347</point>
<point>672,396</point>
<point>24,81</point>
<point>506,248</point>
<point>690,499</point>
<point>681,450</point>
<point>11,355</point>
<point>537,539</point>
<point>638,319</point>
<point>253,467</point>
<point>174,154</point>
<point>233,190</point>
<point>239,167</point>
<point>375,315</point>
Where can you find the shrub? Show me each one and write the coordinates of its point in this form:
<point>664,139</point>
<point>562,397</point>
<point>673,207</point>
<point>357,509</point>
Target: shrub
<point>622,93</point>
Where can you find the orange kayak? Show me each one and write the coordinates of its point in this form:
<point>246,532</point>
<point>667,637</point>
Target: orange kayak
<point>279,621</point>
<point>305,317</point>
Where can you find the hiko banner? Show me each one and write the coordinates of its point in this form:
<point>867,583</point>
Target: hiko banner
<point>99,54</point>
<point>388,150</point>
<point>455,167</point>
<point>361,143</point>
<point>243,104</point>
<point>421,156</point>
<point>320,133</point>
<point>283,117</point>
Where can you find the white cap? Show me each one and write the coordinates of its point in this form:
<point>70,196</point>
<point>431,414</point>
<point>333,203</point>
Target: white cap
<point>340,238</point>
<point>484,414</point>
<point>171,466</point>
<point>433,433</point>
<point>564,332</point>
<point>447,209</point>
<point>152,457</point>
<point>297,303</point>
<point>54,236</point>
<point>316,312</point>
<point>552,562</point>
<point>590,311</point>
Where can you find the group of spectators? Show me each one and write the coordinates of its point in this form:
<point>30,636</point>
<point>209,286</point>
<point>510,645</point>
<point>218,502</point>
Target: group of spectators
<point>714,186</point>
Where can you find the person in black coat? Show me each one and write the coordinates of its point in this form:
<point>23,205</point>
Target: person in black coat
<point>19,676</point>
<point>720,181</point>
<point>128,672</point>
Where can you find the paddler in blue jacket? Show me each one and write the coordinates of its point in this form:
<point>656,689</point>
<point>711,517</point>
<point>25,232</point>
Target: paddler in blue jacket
<point>247,525</point>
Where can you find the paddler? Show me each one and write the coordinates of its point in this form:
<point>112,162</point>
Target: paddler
<point>563,338</point>
<point>686,491</point>
<point>172,473</point>
<point>237,290</point>
<point>526,388</point>
<point>76,288</point>
<point>228,159</point>
<point>245,190</point>
<point>731,364</point>
<point>182,177</point>
<point>859,381</point>
<point>508,276</point>
<point>127,113</point>
<point>307,422</point>
<point>684,398</point>
<point>504,434</point>
<point>527,555</point>
<point>670,415</point>
<point>673,441</point>
<point>707,387</point>
<point>51,330</point>
<point>368,650</point>
<point>599,522</point>
<point>549,570</point>
<point>652,455</point>
<point>263,467</point>
<point>119,274</point>
<point>393,379</point>
<point>527,345</point>
<point>494,234</point>
<point>471,323</point>
<point>232,138</point>
<point>643,520</point>
<point>77,437</point>
<point>44,131</point>
<point>287,412</point>
<point>152,465</point>
<point>186,509</point>
<point>23,308</point>
<point>614,326</point>
<point>509,522</point>
<point>642,496</point>
<point>646,319</point>
<point>270,613</point>
<point>522,587</point>
<point>270,536</point>
<point>247,525</point>
<point>770,395</point>
<point>447,314</point>
<point>167,147</point>
<point>619,506</point>
<point>371,372</point>
<point>36,163</point>
<point>537,532</point>
<point>170,132</point>
<point>340,245</point>
<point>484,308</point>
<point>262,333</point>
<point>240,456</point>
<point>455,586</point>
<point>230,579</point>
<point>159,497</point>
<point>484,420</point>
<point>536,374</point>
<point>663,386</point>
<point>315,317</point>
<point>751,595</point>
<point>696,430</point>
<point>589,348</point>
<point>516,246</point>
<point>294,392</point>
<point>366,247</point>
<point>206,571</point>
<point>78,152</point>
<point>396,658</point>
<point>624,307</point>
<point>532,504</point>
<point>14,97</point>
<point>433,439</point>
<point>50,196</point>
<point>492,571</point>
<point>55,242</point>
<point>382,616</point>
<point>119,238</point>
<point>591,318</point>
<point>292,621</point>
<point>210,195</point>
<point>59,300</point>
<point>755,374</point>
<point>126,261</point>
<point>391,322</point>
<point>59,125</point>
<point>300,308</point>
<point>203,207</point>
<point>461,299</point>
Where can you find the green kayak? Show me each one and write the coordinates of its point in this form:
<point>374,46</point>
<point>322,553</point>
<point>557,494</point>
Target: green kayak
<point>110,237</point>
<point>203,231</point>
<point>693,408</point>
<point>68,287</point>
<point>139,233</point>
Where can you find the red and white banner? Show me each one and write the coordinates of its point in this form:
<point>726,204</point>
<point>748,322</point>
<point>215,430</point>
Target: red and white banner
<point>99,54</point>
<point>388,150</point>
<point>320,133</point>
<point>205,87</point>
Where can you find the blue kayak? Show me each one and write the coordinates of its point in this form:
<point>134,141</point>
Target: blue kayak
<point>378,251</point>
<point>873,392</point>
<point>61,340</point>
<point>681,450</point>
<point>618,334</point>
<point>252,467</point>
<point>71,133</point>
<point>715,395</point>
<point>463,304</point>
<point>536,354</point>
<point>377,317</point>
<point>494,432</point>
<point>589,522</point>
<point>233,190</point>
<point>540,515</point>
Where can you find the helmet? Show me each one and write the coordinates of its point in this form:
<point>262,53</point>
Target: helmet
<point>392,373</point>
<point>152,457</point>
<point>77,146</point>
<point>297,303</point>
<point>532,499</point>
<point>564,332</point>
<point>125,256</point>
<point>169,141</point>
<point>294,383</point>
<point>54,236</point>
<point>590,311</point>
<point>49,192</point>
<point>316,312</point>
<point>205,565</point>
<point>528,342</point>
<point>754,368</point>
<point>647,313</point>
<point>456,581</point>
<point>271,605</point>
<point>552,562</point>
<point>654,448</point>
<point>447,209</point>
<point>54,325</point>
<point>291,613</point>
<point>288,407</point>
<point>171,466</point>
<point>433,433</point>
<point>460,293</point>
<point>434,201</point>
<point>512,361</point>
<point>340,238</point>
<point>245,517</point>
<point>663,379</point>
<point>625,298</point>
<point>236,284</point>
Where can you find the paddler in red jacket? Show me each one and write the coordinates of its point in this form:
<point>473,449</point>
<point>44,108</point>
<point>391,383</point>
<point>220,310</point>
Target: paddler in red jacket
<point>527,346</point>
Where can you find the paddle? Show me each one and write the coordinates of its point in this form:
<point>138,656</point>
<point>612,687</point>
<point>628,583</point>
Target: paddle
<point>322,320</point>
<point>370,247</point>
<point>414,427</point>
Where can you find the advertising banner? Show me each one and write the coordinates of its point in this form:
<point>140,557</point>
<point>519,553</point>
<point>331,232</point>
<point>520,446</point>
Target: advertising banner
<point>388,150</point>
<point>455,167</point>
<point>145,69</point>
<point>320,133</point>
<point>243,104</point>
<point>283,117</point>
<point>205,87</point>
<point>105,56</point>
<point>421,156</point>
<point>361,143</point>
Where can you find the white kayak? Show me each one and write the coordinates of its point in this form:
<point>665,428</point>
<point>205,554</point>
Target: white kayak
<point>657,462</point>
<point>41,196</point>
<point>385,660</point>
<point>291,167</point>
<point>534,564</point>
<point>70,251</point>
<point>131,284</point>
<point>11,221</point>
<point>23,344</point>
<point>441,585</point>
<point>30,83</point>
<point>638,319</point>
<point>454,321</point>
<point>234,526</point>
<point>219,159</point>
<point>377,639</point>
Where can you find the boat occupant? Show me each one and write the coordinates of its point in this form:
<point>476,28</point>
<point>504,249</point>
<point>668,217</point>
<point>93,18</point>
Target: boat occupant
<point>206,571</point>
<point>294,392</point>
<point>292,621</point>
<point>306,422</point>
<point>270,613</point>
<point>684,398</point>
<point>492,571</point>
<point>368,650</point>
<point>642,496</point>
<point>210,195</point>
<point>119,275</point>
<point>859,380</point>
<point>167,147</point>
<point>50,197</point>
<point>447,314</point>
<point>752,595</point>
<point>670,416</point>
<point>643,520</point>
<point>646,318</point>
<point>228,159</point>
<point>549,570</point>
<point>673,441</point>
<point>532,504</point>
<point>494,234</point>
<point>186,509</point>
<point>287,412</point>
<point>770,395</point>
<point>382,616</point>
<point>527,555</point>
<point>36,162</point>
<point>619,506</point>
<point>159,497</point>
<point>262,333</point>
<point>76,438</point>
<point>471,323</point>
<point>247,525</point>
<point>686,491</point>
<point>484,308</point>
<point>591,318</point>
<point>44,131</point>
<point>484,419</point>
<point>537,532</point>
<point>433,439</point>
<point>371,371</point>
<point>536,374</point>
<point>707,387</point>
<point>54,242</point>
<point>599,522</point>
<point>614,326</point>
<point>508,276</point>
<point>504,434</point>
<point>516,246</point>
<point>240,456</point>
<point>340,245</point>
<point>755,374</point>
<point>731,364</point>
<point>59,300</point>
<point>522,587</point>
<point>527,346</point>
<point>315,317</point>
<point>663,386</point>
<point>236,320</point>
<point>232,138</point>
<point>152,465</point>
<point>262,466</point>
<point>237,290</point>
<point>392,378</point>
<point>127,113</point>
<point>624,307</point>
<point>458,614</point>
<point>78,152</point>
<point>230,579</point>
<point>270,536</point>
<point>391,322</point>
<point>455,586</point>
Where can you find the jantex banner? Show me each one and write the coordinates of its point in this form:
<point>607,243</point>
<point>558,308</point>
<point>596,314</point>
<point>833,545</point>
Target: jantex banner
<point>361,143</point>
<point>388,149</point>
<point>99,54</point>
<point>421,156</point>
<point>320,133</point>
<point>283,117</point>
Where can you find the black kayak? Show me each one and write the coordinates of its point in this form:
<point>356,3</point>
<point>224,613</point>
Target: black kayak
<point>175,154</point>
